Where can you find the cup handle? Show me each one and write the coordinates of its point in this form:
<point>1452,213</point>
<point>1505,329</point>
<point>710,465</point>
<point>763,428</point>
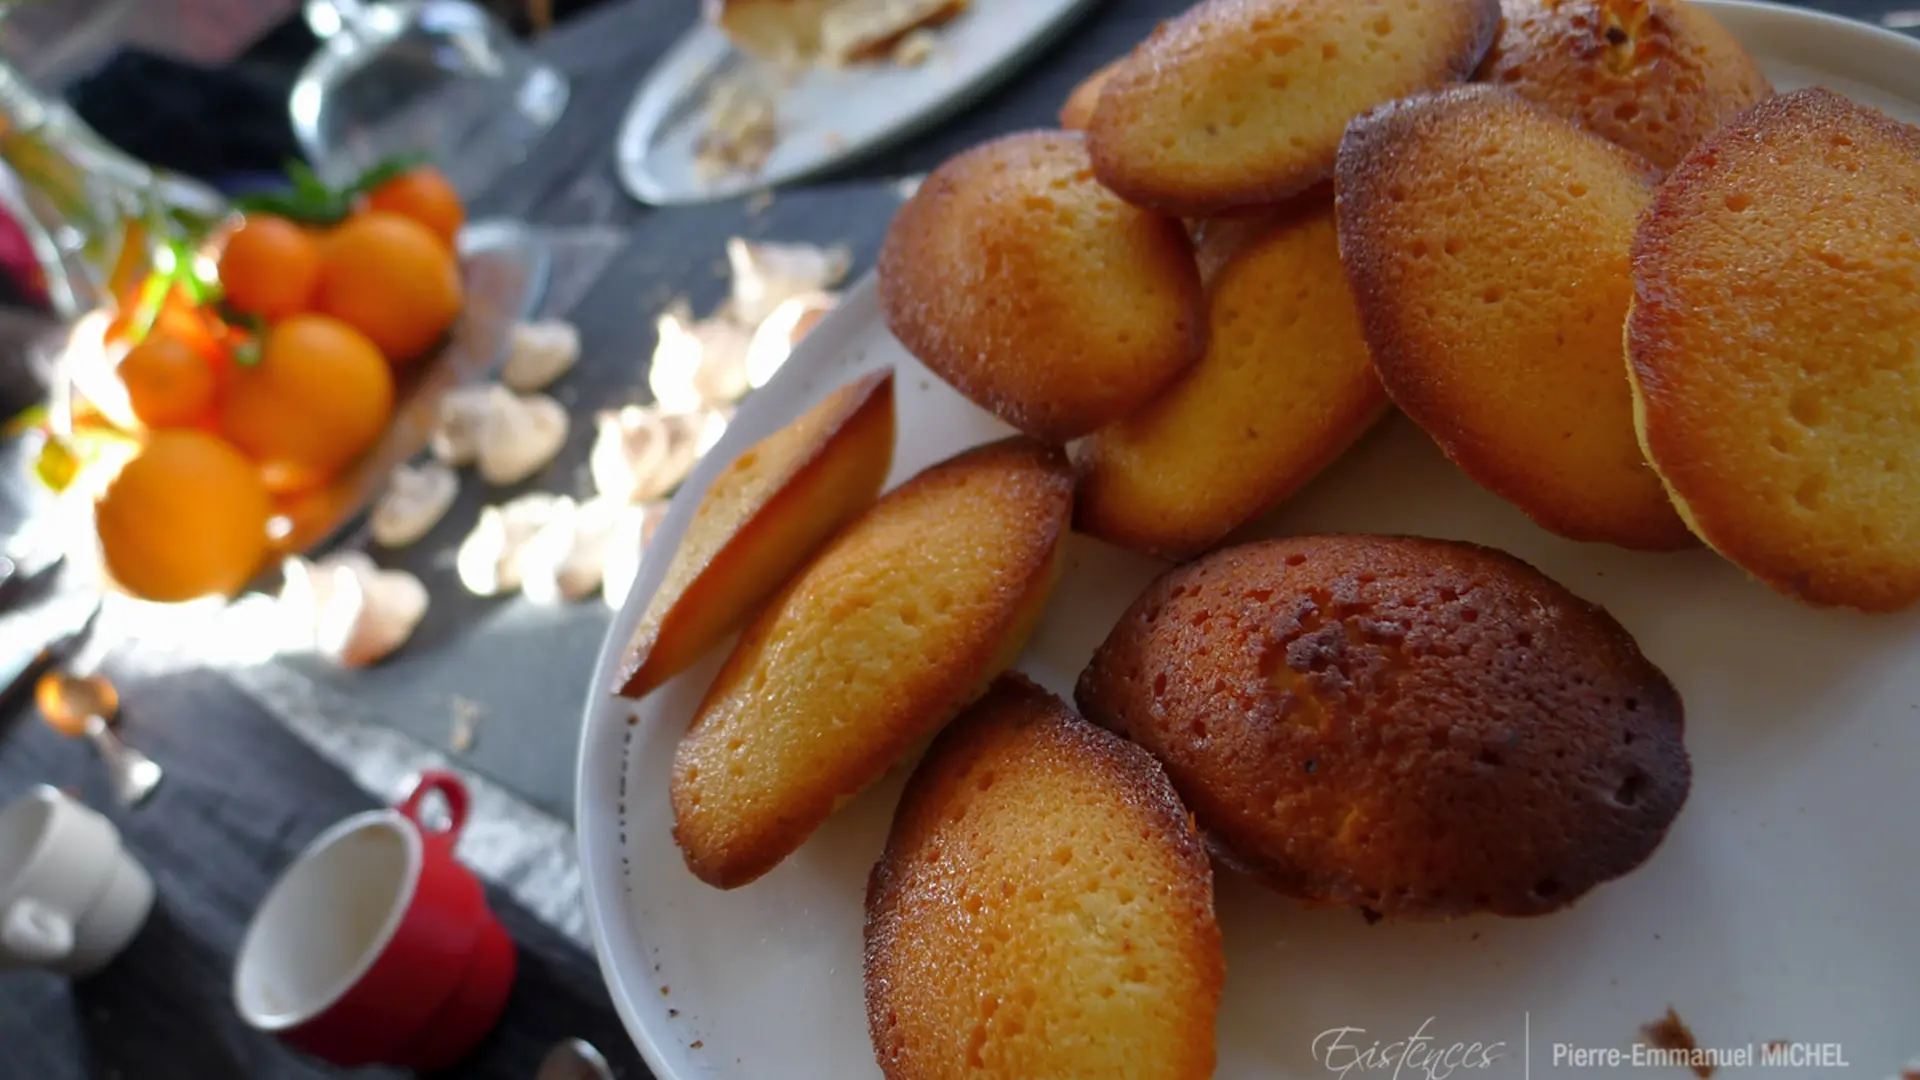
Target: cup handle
<point>451,789</point>
<point>36,933</point>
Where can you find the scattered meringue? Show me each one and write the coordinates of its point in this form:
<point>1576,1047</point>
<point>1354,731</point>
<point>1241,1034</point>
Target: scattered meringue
<point>523,433</point>
<point>698,363</point>
<point>632,530</point>
<point>641,453</point>
<point>488,560</point>
<point>466,724</point>
<point>564,561</point>
<point>781,331</point>
<point>541,352</point>
<point>417,497</point>
<point>765,274</point>
<point>463,418</point>
<point>350,611</point>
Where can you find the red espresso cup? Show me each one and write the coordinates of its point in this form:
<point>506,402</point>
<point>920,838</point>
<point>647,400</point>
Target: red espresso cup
<point>376,947</point>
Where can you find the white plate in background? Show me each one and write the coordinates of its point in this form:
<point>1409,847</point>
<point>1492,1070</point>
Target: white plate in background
<point>826,116</point>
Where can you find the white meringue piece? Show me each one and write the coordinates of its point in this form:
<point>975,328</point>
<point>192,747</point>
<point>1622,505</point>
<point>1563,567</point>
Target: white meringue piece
<point>522,435</point>
<point>367,616</point>
<point>781,331</point>
<point>641,453</point>
<point>627,444</point>
<point>565,560</point>
<point>627,539</point>
<point>766,274</point>
<point>463,418</point>
<point>541,352</point>
<point>349,610</point>
<point>697,363</point>
<point>488,560</point>
<point>416,498</point>
<point>303,591</point>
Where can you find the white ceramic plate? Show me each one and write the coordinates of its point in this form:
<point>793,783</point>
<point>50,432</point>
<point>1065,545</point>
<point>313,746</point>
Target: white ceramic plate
<point>1781,907</point>
<point>826,116</point>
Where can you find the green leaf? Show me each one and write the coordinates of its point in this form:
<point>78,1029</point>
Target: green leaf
<point>392,167</point>
<point>309,208</point>
<point>306,182</point>
<point>28,419</point>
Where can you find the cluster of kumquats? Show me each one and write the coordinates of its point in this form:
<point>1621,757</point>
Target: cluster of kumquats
<point>270,381</point>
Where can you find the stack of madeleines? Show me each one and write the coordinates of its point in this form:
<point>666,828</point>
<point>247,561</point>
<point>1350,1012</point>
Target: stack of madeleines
<point>1581,243</point>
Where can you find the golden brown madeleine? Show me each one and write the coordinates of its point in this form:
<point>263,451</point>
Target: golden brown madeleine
<point>1414,727</point>
<point>1487,242</point>
<point>1044,908</point>
<point>1284,388</point>
<point>875,645</point>
<point>1037,293</point>
<point>760,521</point>
<point>1241,102</point>
<point>1077,112</point>
<point>1654,76</point>
<point>1775,346</point>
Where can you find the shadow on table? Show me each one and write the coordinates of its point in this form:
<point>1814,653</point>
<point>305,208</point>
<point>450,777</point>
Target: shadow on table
<point>166,991</point>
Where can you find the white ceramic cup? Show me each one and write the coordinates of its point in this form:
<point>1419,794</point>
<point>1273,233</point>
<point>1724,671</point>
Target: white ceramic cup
<point>71,897</point>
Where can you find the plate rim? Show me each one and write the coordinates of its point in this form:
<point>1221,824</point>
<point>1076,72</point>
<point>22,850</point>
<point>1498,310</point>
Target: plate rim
<point>601,764</point>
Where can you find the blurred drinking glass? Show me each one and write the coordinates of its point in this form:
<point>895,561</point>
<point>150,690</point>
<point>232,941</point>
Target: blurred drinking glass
<point>439,78</point>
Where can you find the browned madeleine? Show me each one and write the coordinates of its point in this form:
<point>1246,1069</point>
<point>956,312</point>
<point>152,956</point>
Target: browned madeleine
<point>1418,728</point>
<point>763,517</point>
<point>1654,76</point>
<point>1285,387</point>
<point>1044,908</point>
<point>1014,276</point>
<point>1487,242</point>
<point>1775,347</point>
<point>902,620</point>
<point>1241,103</point>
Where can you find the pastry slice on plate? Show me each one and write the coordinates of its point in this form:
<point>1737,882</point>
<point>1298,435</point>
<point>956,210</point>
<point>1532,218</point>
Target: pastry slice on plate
<point>1285,387</point>
<point>901,622</point>
<point>836,32</point>
<point>1778,400</point>
<point>1044,908</point>
<point>1241,103</point>
<point>763,517</point>
<point>1651,75</point>
<point>1417,728</point>
<point>1038,294</point>
<point>1487,243</point>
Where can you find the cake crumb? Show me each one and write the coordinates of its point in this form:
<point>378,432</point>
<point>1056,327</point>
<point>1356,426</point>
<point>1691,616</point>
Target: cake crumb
<point>663,990</point>
<point>742,129</point>
<point>1669,1033</point>
<point>696,1044</point>
<point>466,724</point>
